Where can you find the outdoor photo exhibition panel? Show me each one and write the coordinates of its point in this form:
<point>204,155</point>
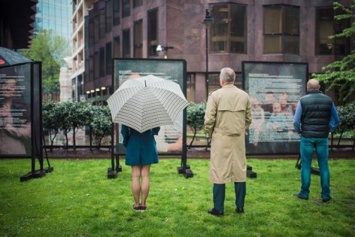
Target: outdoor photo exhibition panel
<point>21,115</point>
<point>274,89</point>
<point>15,111</point>
<point>169,69</point>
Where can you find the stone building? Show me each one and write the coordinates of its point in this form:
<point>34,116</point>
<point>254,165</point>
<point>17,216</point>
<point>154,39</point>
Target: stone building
<point>208,34</point>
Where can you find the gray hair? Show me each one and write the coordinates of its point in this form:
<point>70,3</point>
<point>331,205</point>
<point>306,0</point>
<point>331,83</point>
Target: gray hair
<point>227,74</point>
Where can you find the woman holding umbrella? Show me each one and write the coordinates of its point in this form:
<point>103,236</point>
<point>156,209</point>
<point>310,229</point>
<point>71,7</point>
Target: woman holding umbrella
<point>141,105</point>
<point>141,152</point>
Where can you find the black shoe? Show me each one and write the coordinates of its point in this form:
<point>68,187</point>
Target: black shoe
<point>239,210</point>
<point>326,199</point>
<point>215,212</point>
<point>300,197</point>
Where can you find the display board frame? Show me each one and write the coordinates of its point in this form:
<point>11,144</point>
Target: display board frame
<point>283,83</point>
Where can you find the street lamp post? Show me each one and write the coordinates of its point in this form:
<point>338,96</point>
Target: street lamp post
<point>207,21</point>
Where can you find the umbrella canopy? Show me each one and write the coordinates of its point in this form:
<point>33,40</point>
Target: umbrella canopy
<point>147,102</point>
<point>10,57</point>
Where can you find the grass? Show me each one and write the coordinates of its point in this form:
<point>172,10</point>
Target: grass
<point>77,199</point>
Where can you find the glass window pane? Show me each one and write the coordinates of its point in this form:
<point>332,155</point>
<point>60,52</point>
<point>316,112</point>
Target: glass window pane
<point>102,62</point>
<point>238,29</point>
<point>137,3</point>
<point>272,20</point>
<point>116,12</point>
<point>324,28</point>
<point>117,47</point>
<point>292,20</point>
<point>152,32</point>
<point>291,44</point>
<point>126,47</point>
<point>272,44</point>
<point>138,39</point>
<point>108,12</point>
<point>108,58</point>
<point>102,23</point>
<point>219,30</point>
<point>126,8</point>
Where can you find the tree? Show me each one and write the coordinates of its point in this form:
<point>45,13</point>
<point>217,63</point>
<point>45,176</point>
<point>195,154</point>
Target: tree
<point>101,123</point>
<point>62,110</point>
<point>340,74</point>
<point>49,49</point>
<point>347,118</point>
<point>195,117</point>
<point>50,122</point>
<point>78,115</point>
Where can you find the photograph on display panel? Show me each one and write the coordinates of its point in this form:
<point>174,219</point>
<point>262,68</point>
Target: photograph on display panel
<point>15,111</point>
<point>274,89</point>
<point>170,137</point>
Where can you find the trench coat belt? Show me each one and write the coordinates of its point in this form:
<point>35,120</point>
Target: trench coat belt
<point>223,132</point>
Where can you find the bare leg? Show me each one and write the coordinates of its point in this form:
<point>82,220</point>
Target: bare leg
<point>145,183</point>
<point>136,186</point>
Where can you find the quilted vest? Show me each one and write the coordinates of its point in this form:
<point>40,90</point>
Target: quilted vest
<point>316,113</point>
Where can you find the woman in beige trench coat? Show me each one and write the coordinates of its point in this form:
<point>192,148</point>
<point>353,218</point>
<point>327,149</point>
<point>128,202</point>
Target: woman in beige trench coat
<point>227,116</point>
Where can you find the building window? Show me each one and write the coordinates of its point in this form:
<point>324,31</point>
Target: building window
<point>116,12</point>
<point>91,31</point>
<point>108,58</point>
<point>228,33</point>
<point>102,29</point>
<point>116,47</point>
<point>126,8</point>
<point>102,62</point>
<point>137,3</point>
<point>326,26</point>
<point>281,29</point>
<point>96,28</point>
<point>126,47</point>
<point>138,39</point>
<point>96,66</point>
<point>108,11</point>
<point>152,32</point>
<point>90,69</point>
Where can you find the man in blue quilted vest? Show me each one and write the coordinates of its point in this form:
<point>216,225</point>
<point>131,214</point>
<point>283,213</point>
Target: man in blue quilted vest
<point>315,117</point>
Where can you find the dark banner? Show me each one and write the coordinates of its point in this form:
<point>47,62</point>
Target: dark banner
<point>170,137</point>
<point>15,111</point>
<point>274,89</point>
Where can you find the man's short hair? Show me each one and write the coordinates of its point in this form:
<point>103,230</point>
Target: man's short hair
<point>227,74</point>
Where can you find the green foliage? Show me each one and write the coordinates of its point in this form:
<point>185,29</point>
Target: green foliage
<point>69,116</point>
<point>101,122</point>
<point>49,120</point>
<point>195,115</point>
<point>340,74</point>
<point>347,117</point>
<point>63,110</point>
<point>50,49</point>
<point>77,199</point>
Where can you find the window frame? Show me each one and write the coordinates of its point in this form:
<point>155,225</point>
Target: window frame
<point>138,38</point>
<point>153,32</point>
<point>283,35</point>
<point>325,46</point>
<point>221,37</point>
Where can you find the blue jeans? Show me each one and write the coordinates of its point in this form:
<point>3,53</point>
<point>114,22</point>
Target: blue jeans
<point>307,147</point>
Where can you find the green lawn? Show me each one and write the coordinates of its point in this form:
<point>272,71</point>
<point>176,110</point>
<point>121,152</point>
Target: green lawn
<point>77,199</point>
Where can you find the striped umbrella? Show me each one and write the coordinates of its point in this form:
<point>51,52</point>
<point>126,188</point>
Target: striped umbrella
<point>146,102</point>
